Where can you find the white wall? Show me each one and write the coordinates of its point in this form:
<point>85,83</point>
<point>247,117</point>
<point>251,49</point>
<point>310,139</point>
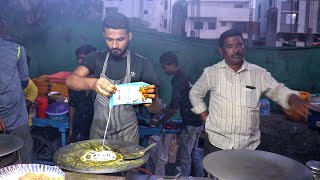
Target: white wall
<point>154,12</point>
<point>223,11</point>
<point>136,8</point>
<point>130,8</point>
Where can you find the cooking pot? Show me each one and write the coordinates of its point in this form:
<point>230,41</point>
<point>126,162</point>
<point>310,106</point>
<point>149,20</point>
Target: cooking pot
<point>254,165</point>
<point>55,97</point>
<point>68,157</point>
<point>9,146</point>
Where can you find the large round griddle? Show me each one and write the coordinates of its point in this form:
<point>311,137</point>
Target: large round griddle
<point>9,144</point>
<point>68,157</point>
<point>254,165</point>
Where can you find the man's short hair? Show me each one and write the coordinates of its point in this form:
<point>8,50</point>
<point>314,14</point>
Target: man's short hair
<point>169,58</point>
<point>229,33</point>
<point>116,21</point>
<point>85,49</point>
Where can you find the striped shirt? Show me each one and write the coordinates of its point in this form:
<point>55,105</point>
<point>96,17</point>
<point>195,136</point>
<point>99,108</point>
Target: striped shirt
<point>233,120</point>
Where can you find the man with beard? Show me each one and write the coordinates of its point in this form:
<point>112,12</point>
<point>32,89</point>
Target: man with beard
<point>116,65</point>
<point>235,87</point>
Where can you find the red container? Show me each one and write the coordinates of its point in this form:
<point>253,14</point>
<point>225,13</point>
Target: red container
<point>42,105</point>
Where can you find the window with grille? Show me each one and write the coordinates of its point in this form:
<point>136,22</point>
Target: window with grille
<point>212,25</point>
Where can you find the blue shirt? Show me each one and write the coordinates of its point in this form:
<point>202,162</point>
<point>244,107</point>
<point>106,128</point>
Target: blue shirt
<point>13,71</point>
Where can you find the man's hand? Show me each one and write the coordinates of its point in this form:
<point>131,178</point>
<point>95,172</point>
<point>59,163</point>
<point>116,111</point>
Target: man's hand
<point>203,116</point>
<point>104,87</point>
<point>2,126</point>
<point>150,92</point>
<point>155,122</point>
<point>300,106</point>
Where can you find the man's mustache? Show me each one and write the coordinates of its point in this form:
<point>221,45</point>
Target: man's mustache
<point>116,49</point>
<point>235,55</point>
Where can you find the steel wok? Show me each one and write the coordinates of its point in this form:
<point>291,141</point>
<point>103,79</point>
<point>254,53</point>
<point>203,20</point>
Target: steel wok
<point>254,165</point>
<point>68,157</point>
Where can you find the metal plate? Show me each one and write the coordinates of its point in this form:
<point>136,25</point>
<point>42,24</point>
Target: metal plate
<point>68,157</point>
<point>254,165</point>
<point>19,170</point>
<point>9,144</point>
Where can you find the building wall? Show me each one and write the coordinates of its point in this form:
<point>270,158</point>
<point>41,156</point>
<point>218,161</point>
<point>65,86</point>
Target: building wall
<point>301,16</point>
<point>262,18</point>
<point>153,9</point>
<point>222,13</point>
<point>130,8</point>
<point>52,47</point>
<point>151,12</point>
<point>313,16</point>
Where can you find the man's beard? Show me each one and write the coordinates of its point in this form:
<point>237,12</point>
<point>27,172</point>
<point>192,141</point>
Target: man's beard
<point>118,53</point>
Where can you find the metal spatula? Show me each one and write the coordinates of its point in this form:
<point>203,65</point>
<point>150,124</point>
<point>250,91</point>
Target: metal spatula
<point>137,154</point>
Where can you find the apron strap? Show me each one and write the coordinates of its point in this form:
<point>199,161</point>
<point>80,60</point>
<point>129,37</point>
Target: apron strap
<point>127,79</point>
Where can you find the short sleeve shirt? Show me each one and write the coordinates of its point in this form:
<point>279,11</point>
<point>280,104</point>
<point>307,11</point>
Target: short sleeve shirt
<point>141,69</point>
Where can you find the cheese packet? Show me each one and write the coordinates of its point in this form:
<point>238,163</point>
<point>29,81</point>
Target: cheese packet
<point>129,93</point>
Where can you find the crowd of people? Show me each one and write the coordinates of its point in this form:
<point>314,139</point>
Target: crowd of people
<point>230,121</point>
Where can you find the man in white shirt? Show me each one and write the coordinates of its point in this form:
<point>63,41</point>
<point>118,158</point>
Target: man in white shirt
<point>235,86</point>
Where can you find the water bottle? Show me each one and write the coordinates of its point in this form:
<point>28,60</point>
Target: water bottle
<point>33,110</point>
<point>264,107</point>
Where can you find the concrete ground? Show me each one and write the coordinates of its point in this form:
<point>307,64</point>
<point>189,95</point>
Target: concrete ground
<point>281,136</point>
<point>292,139</point>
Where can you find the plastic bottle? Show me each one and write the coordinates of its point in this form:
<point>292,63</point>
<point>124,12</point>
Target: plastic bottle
<point>264,107</point>
<point>42,105</point>
<point>34,110</point>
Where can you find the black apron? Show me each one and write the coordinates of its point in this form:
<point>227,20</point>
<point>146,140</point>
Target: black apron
<point>123,123</point>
